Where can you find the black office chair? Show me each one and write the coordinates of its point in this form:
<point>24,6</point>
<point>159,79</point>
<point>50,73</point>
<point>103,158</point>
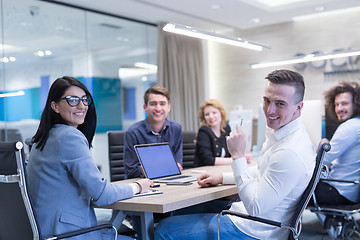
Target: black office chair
<point>295,223</point>
<point>10,135</point>
<point>189,145</point>
<point>17,218</point>
<point>340,220</point>
<point>116,155</point>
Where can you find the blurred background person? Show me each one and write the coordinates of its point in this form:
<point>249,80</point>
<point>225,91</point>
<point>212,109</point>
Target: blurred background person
<point>211,148</point>
<point>342,103</point>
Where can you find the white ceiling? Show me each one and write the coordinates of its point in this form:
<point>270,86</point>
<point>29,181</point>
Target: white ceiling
<point>215,15</point>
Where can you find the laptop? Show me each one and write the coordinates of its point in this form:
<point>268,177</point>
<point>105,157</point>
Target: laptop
<point>159,164</point>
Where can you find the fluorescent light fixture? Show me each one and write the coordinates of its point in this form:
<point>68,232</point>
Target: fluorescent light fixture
<point>325,14</point>
<point>198,33</point>
<point>5,47</point>
<point>12,94</point>
<point>277,3</point>
<point>146,66</point>
<point>307,58</point>
<point>134,72</point>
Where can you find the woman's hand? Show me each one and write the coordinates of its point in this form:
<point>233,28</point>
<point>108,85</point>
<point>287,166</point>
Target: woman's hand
<point>145,185</point>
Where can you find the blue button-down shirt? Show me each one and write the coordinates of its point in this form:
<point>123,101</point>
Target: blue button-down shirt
<point>141,133</point>
<point>345,158</point>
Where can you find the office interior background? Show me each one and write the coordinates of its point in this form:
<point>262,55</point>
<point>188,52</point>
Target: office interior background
<point>119,54</point>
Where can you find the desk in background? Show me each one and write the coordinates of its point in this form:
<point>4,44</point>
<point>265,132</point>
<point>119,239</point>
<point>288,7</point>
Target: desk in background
<point>174,197</point>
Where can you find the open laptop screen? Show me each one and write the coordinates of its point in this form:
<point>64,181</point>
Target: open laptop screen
<point>157,160</point>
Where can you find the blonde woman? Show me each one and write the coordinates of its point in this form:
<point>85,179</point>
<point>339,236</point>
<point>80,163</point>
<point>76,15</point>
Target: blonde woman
<point>211,148</point>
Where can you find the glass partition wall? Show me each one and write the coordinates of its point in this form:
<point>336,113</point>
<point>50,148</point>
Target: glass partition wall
<point>41,41</point>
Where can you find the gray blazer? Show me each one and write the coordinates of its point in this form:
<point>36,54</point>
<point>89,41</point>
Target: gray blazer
<point>64,183</point>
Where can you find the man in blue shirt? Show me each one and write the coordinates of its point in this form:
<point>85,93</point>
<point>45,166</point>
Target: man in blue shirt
<point>343,104</point>
<point>156,128</point>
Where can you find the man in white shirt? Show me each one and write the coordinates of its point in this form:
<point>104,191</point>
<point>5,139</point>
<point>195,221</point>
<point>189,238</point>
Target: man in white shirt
<point>273,187</point>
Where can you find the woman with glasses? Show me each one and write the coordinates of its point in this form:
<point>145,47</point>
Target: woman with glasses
<point>63,180</point>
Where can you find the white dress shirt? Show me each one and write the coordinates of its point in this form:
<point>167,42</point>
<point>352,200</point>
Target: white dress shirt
<point>272,189</point>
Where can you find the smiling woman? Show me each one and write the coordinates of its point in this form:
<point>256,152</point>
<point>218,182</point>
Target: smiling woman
<point>60,165</point>
<point>73,110</point>
<point>211,148</point>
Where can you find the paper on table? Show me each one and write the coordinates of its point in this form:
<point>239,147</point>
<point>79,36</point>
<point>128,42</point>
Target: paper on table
<point>150,192</point>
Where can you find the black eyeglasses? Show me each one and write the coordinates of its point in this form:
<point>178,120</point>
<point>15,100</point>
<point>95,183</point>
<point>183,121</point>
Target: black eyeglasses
<point>75,100</point>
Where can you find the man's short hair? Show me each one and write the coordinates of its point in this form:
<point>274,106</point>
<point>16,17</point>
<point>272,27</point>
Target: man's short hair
<point>289,78</point>
<point>156,90</point>
<point>344,86</point>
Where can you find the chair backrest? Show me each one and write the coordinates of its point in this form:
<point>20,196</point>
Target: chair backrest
<point>17,220</point>
<point>10,135</point>
<point>116,155</point>
<point>189,144</point>
<point>323,147</point>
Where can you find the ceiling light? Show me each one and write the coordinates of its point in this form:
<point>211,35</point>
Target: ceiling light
<point>325,14</point>
<point>41,53</point>
<point>319,9</point>
<point>134,72</point>
<point>307,58</point>
<point>198,33</point>
<point>277,3</point>
<point>12,94</point>
<point>5,47</point>
<point>146,65</point>
<point>7,59</point>
<point>254,20</point>
<point>215,7</point>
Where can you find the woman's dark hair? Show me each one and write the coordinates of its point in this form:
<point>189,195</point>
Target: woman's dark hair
<point>49,117</point>
<point>351,87</point>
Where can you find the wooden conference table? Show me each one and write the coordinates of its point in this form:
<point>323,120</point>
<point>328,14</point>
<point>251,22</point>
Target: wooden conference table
<point>173,197</point>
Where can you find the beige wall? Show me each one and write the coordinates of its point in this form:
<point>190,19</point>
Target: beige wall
<point>233,82</point>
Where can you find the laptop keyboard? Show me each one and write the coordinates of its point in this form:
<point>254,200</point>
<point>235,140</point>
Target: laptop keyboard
<point>176,177</point>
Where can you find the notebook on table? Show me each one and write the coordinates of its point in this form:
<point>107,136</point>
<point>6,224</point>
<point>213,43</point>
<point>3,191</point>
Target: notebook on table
<point>159,164</point>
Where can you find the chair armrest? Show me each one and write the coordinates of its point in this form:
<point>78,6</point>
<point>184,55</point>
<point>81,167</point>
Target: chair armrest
<point>246,216</point>
<point>79,232</point>
<point>339,180</point>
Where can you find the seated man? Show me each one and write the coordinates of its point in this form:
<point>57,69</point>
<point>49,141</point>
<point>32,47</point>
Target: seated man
<point>343,105</point>
<point>273,187</point>
<point>156,128</point>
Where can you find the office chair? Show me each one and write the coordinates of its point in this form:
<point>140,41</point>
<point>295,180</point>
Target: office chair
<point>189,145</point>
<point>116,155</point>
<point>340,221</point>
<point>10,135</point>
<point>294,225</point>
<point>17,218</point>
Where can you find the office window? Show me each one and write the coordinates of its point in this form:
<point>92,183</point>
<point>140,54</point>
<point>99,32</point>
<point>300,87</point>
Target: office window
<point>41,41</point>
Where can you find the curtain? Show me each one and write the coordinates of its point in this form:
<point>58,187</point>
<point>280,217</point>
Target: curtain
<point>181,71</point>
